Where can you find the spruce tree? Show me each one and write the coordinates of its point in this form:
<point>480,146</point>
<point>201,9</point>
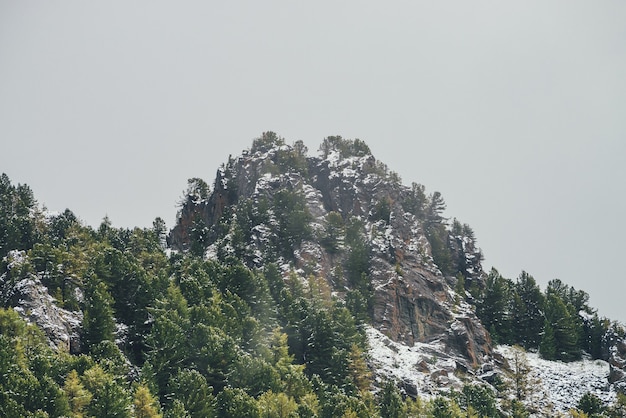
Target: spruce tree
<point>493,307</point>
<point>144,404</point>
<point>191,389</point>
<point>98,320</point>
<point>560,323</point>
<point>78,396</point>
<point>527,306</point>
<point>110,398</point>
<point>547,348</point>
<point>390,403</point>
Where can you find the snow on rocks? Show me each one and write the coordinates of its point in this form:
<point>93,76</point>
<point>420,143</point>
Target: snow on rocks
<point>35,305</point>
<point>423,369</point>
<point>558,386</point>
<point>426,370</point>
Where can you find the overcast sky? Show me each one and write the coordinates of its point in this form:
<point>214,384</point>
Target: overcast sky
<point>514,111</point>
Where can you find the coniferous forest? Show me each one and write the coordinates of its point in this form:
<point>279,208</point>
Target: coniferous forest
<point>166,333</point>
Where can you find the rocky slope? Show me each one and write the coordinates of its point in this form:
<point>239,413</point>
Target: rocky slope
<point>412,300</point>
<point>31,299</point>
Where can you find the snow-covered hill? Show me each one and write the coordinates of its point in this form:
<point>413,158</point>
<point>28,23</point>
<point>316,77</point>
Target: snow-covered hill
<point>427,370</point>
<point>558,386</point>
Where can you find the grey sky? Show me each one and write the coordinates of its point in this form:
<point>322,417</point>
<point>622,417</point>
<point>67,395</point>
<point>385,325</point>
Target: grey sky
<point>514,111</point>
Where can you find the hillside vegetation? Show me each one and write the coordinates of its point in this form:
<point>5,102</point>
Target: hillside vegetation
<point>262,300</point>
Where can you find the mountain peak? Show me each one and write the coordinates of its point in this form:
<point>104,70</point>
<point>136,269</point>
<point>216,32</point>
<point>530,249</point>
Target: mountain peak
<point>343,216</point>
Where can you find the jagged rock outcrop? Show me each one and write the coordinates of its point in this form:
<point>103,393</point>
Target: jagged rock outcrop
<point>412,301</point>
<point>31,300</point>
<point>35,305</point>
<point>617,363</point>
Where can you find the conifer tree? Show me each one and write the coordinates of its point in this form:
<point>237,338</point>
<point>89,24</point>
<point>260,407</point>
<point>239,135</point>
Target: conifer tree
<point>18,229</point>
<point>415,202</point>
<point>78,396</point>
<point>527,320</point>
<point>390,403</point>
<point>437,236</point>
<point>191,389</point>
<point>276,405</point>
<point>441,407</point>
<point>479,399</point>
<point>547,348</point>
<point>520,370</point>
<point>493,307</point>
<point>564,332</point>
<point>144,404</point>
<point>234,402</point>
<point>518,410</point>
<point>591,405</point>
<point>110,398</point>
<point>359,372</point>
<point>98,320</point>
<point>177,410</point>
<point>333,232</point>
<point>168,339</point>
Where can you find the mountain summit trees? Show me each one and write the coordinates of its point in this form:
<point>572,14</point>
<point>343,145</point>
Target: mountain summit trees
<point>261,300</point>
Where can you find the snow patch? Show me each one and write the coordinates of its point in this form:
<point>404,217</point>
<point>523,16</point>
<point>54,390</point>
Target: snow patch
<point>559,385</point>
<point>424,366</point>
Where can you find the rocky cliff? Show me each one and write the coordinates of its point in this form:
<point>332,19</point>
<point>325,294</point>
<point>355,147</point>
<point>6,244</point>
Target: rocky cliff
<point>353,205</point>
<point>31,299</point>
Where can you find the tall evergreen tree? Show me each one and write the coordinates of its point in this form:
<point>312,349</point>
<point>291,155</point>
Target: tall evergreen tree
<point>390,402</point>
<point>78,396</point>
<point>144,404</point>
<point>561,325</point>
<point>98,320</point>
<point>110,398</point>
<point>192,390</point>
<point>548,346</point>
<point>527,320</point>
<point>493,307</point>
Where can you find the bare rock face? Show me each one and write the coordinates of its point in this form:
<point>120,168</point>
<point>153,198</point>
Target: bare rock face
<point>35,305</point>
<point>412,301</point>
<point>617,364</point>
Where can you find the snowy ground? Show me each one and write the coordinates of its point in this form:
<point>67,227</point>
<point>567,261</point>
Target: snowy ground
<point>557,386</point>
<point>423,366</point>
<point>561,385</point>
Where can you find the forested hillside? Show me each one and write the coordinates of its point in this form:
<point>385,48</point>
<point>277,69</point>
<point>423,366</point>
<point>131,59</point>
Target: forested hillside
<point>264,299</point>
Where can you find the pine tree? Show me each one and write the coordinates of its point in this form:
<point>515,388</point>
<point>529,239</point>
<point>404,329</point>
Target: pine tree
<point>234,402</point>
<point>168,341</point>
<point>520,370</point>
<point>547,348</point>
<point>479,399</point>
<point>518,410</point>
<point>144,404</point>
<point>564,331</point>
<point>333,233</point>
<point>276,405</point>
<point>110,398</point>
<point>593,333</point>
<point>294,382</point>
<point>390,403</point>
<point>78,396</point>
<point>18,229</point>
<point>527,309</point>
<point>591,405</point>
<point>359,372</point>
<point>493,307</point>
<point>98,320</point>
<point>444,408</point>
<point>415,202</point>
<point>191,389</point>
<point>177,410</point>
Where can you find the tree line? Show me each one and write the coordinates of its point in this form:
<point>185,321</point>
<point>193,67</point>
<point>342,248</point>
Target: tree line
<point>558,321</point>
